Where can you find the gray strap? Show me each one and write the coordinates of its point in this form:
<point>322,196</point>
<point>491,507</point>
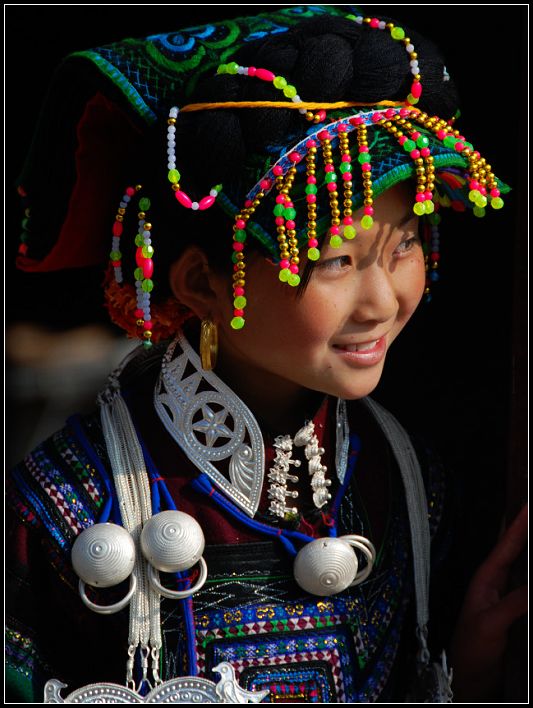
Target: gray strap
<point>415,496</point>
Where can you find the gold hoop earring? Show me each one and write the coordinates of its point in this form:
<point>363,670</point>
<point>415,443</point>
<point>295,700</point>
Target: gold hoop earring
<point>208,344</point>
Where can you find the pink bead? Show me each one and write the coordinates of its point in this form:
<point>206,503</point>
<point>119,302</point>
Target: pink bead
<point>265,184</point>
<point>347,221</point>
<point>148,325</point>
<point>402,139</point>
<point>294,268</point>
<point>183,199</point>
<point>280,199</point>
<point>312,243</point>
<point>346,158</point>
<point>148,268</point>
<point>248,203</point>
<point>425,152</point>
<point>416,89</point>
<point>363,148</point>
<point>278,170</point>
<point>117,228</point>
<point>334,230</point>
<point>415,154</point>
<point>494,192</point>
<point>290,224</point>
<point>357,120</point>
<point>321,115</point>
<point>323,135</point>
<point>295,157</point>
<point>332,186</point>
<point>390,113</point>
<point>239,291</point>
<point>459,147</point>
<point>264,75</point>
<point>441,134</point>
<point>474,184</point>
<point>138,313</point>
<point>404,112</point>
<point>310,144</point>
<point>285,263</point>
<point>374,23</point>
<point>415,135</point>
<point>376,117</point>
<point>366,167</point>
<point>240,224</point>
<point>206,202</point>
<point>420,197</point>
<point>251,70</point>
<point>483,191</point>
<point>329,168</point>
<point>342,128</point>
<point>311,179</point>
<point>238,246</point>
<point>429,196</point>
<point>368,211</point>
<point>280,221</point>
<point>238,313</point>
<point>347,176</point>
<point>139,258</point>
<point>310,198</point>
<point>130,191</point>
<point>288,203</point>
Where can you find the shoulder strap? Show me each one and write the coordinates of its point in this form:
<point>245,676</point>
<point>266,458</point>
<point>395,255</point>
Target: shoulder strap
<point>415,496</point>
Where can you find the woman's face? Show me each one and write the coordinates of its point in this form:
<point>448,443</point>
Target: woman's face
<point>335,337</point>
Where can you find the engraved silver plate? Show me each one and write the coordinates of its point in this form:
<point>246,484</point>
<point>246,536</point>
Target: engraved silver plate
<point>187,689</point>
<point>211,425</point>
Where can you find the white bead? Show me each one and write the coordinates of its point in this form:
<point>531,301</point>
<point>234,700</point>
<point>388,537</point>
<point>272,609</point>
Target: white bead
<point>359,20</point>
<point>172,143</point>
<point>172,541</point>
<point>195,206</point>
<point>171,164</point>
<point>303,111</point>
<point>213,193</point>
<point>382,25</point>
<point>409,48</point>
<point>172,129</point>
<point>170,152</point>
<point>241,70</point>
<point>174,112</point>
<point>414,63</point>
<point>103,555</point>
<point>296,99</point>
<point>126,198</point>
<point>325,566</point>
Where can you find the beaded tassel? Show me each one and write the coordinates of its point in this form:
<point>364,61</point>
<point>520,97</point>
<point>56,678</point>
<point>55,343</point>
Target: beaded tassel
<point>144,271</point>
<point>313,253</point>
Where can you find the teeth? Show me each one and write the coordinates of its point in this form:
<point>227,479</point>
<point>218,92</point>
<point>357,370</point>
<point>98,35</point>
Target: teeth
<point>360,347</point>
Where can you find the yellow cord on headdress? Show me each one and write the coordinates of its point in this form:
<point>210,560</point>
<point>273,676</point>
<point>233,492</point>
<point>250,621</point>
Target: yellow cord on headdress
<point>307,105</point>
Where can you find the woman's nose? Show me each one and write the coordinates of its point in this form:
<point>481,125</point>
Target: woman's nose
<point>375,298</point>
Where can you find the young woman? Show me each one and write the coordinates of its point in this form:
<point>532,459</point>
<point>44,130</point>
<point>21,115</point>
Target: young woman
<point>282,243</point>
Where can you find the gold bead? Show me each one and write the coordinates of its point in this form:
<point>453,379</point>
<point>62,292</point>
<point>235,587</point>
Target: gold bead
<point>368,202</point>
<point>366,20</point>
<point>138,187</point>
<point>176,186</point>
<point>171,121</point>
<point>336,222</point>
<point>417,77</point>
<point>413,55</point>
<point>147,334</point>
<point>406,40</point>
<point>389,26</point>
<point>147,226</point>
<point>296,260</point>
<point>335,212</point>
<point>118,217</point>
<point>121,211</point>
<point>240,283</point>
<point>240,257</point>
<point>294,251</point>
<point>256,202</point>
<point>312,233</point>
<point>140,322</point>
<point>141,215</point>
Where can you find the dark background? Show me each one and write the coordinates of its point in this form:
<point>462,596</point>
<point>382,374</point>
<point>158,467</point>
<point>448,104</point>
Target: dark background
<point>458,373</point>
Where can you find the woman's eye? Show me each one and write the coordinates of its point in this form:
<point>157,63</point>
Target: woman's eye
<point>407,245</point>
<point>333,264</point>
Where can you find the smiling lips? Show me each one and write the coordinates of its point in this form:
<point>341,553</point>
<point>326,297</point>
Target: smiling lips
<point>362,353</point>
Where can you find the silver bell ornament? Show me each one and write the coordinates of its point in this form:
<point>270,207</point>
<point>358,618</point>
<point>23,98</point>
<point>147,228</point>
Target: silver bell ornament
<point>173,541</point>
<point>103,555</point>
<point>327,566</point>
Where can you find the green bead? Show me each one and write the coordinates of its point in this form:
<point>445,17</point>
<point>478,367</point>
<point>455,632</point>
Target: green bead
<point>311,189</point>
<point>233,67</point>
<point>237,322</point>
<point>147,344</point>
<point>468,145</point>
<point>239,302</point>
<point>278,210</point>
<point>174,176</point>
<point>290,91</point>
<point>345,167</point>
<point>450,141</point>
<point>284,274</point>
<point>478,211</point>
<point>330,177</point>
<point>473,194</point>
<point>280,82</point>
<point>294,280</point>
<point>496,203</point>
<point>481,201</point>
<point>435,219</point>
<point>363,157</point>
<point>429,206</point>
<point>412,100</point>
<point>25,223</point>
<point>397,33</point>
<point>147,251</point>
<point>148,285</point>
<point>367,221</point>
<point>144,204</point>
<point>289,212</point>
<point>138,274</point>
<point>218,187</point>
<point>349,232</point>
<point>240,235</point>
<point>335,241</point>
<point>313,254</point>
<point>422,141</point>
<point>222,69</point>
<point>234,257</point>
<point>139,241</point>
<point>115,255</point>
<point>351,17</point>
<point>419,208</point>
<point>409,145</point>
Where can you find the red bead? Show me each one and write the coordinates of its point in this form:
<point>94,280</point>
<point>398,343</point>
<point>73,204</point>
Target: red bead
<point>404,112</point>
<point>310,198</point>
<point>334,230</point>
<point>363,148</point>
<point>240,224</point>
<point>311,179</point>
<point>239,291</point>
<point>23,249</point>
<point>148,325</point>
<point>435,257</point>
<point>264,75</point>
<point>138,314</point>
<point>441,134</point>
<point>206,202</point>
<point>139,258</point>
<point>342,128</point>
<point>368,211</point>
<point>279,221</point>
<point>321,115</point>
<point>280,199</point>
<point>290,224</point>
<point>331,186</point>
<point>294,268</point>
<point>277,170</point>
<point>348,221</point>
<point>420,197</point>
<point>21,192</point>
<point>494,192</point>
<point>130,191</point>
<point>390,113</point>
<point>459,147</point>
<point>366,167</point>
<point>415,135</point>
<point>310,144</point>
<point>415,154</point>
<point>313,243</point>
<point>429,196</point>
<point>357,120</point>
<point>265,184</point>
<point>238,246</point>
<point>248,203</point>
<point>148,268</point>
<point>402,139</point>
<point>295,157</point>
<point>376,117</point>
<point>323,135</point>
<point>329,168</point>
<point>347,176</point>
<point>374,23</point>
<point>425,152</point>
<point>346,158</point>
<point>116,264</point>
<point>118,228</point>
<point>251,70</point>
<point>284,263</point>
<point>416,89</point>
<point>183,199</point>
<point>238,313</point>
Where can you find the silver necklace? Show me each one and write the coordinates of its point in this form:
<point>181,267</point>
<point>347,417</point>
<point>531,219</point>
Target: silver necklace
<point>221,437</point>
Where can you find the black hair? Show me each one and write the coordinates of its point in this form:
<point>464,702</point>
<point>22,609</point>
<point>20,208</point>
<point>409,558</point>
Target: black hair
<point>326,59</point>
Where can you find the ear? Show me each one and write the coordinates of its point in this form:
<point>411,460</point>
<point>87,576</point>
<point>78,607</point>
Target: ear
<point>195,284</point>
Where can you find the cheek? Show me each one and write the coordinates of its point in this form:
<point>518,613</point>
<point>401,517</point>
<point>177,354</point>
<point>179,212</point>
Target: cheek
<point>411,287</point>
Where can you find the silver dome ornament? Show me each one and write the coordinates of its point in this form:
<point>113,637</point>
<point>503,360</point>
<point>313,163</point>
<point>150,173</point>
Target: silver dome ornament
<point>173,541</point>
<point>103,555</point>
<point>327,566</point>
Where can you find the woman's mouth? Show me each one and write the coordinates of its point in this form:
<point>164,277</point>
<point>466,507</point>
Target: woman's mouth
<point>362,353</point>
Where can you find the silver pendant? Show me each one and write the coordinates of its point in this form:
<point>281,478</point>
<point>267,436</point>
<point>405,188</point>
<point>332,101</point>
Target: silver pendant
<point>187,689</point>
<point>179,404</point>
